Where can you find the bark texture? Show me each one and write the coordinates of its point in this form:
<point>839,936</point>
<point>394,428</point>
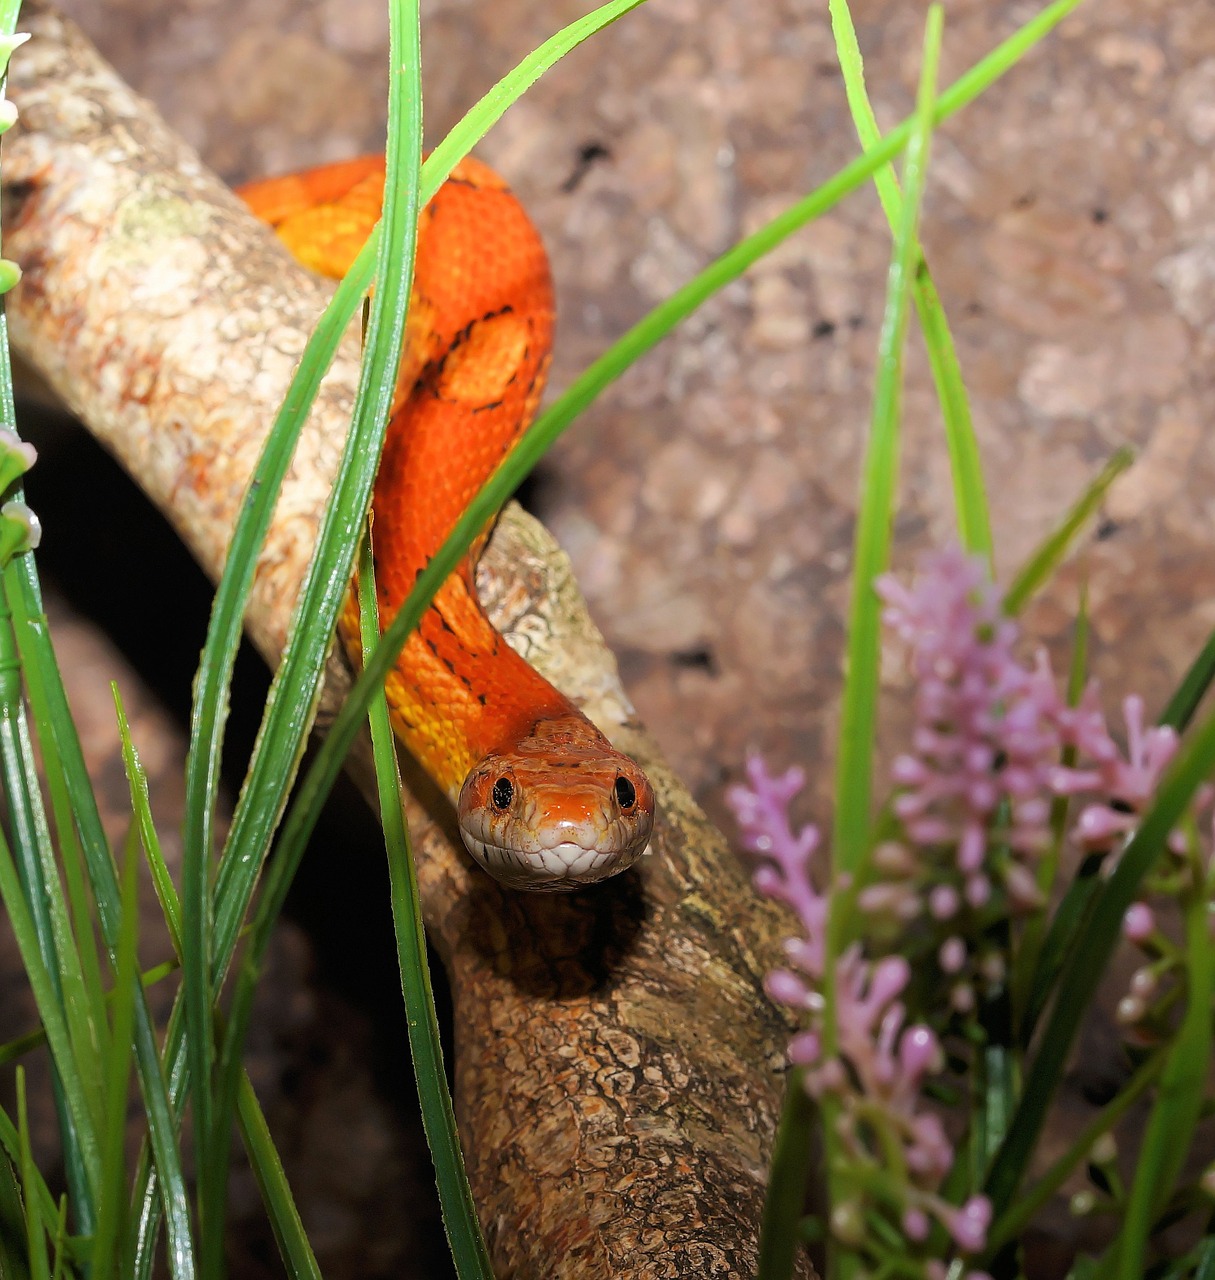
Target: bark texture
<point>617,1065</point>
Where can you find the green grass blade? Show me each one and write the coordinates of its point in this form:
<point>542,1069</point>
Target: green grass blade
<point>267,1167</point>
<point>1192,689</point>
<point>11,1050</point>
<point>51,1013</point>
<point>297,682</point>
<point>35,1232</point>
<point>858,712</point>
<point>970,498</point>
<point>141,806</point>
<point>49,701</point>
<point>60,1242</point>
<point>10,1140</point>
<point>1205,1260</point>
<point>468,1247</point>
<point>1019,1215</point>
<point>79,900</point>
<point>788,1179</point>
<point>1041,566</point>
<point>83,1003</point>
<point>289,1231</point>
<point>43,897</point>
<point>22,815</point>
<point>875,515</point>
<point>1046,935</point>
<point>107,1240</point>
<point>1170,1127</point>
<point>76,946</point>
<point>477,122</point>
<point>970,494</point>
<point>1087,958</point>
<point>15,1223</point>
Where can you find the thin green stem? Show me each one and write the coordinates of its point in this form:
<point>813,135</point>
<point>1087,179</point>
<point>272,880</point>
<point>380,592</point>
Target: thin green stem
<point>788,1178</point>
<point>438,1115</point>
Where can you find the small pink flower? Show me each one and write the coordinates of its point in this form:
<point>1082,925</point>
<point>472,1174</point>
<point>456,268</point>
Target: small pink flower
<point>1139,923</point>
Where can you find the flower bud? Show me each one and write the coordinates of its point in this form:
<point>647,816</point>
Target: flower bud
<point>1104,1151</point>
<point>1139,923</point>
<point>20,530</point>
<point>1082,1203</point>
<point>848,1223</point>
<point>915,1225</point>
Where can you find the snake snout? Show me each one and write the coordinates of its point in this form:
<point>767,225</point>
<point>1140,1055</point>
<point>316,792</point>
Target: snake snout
<point>556,826</point>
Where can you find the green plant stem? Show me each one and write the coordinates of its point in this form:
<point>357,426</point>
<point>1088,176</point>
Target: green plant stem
<point>1087,958</point>
<point>1039,568</point>
<point>267,1168</point>
<point>35,1230</point>
<point>54,720</point>
<point>788,1177</point>
<point>438,1115</point>
<point>858,713</point>
<point>11,1050</point>
<point>1190,692</point>
<point>1170,1128</point>
<point>875,515</point>
<point>1019,1215</point>
<point>104,1259</point>
<point>974,520</point>
<point>29,836</point>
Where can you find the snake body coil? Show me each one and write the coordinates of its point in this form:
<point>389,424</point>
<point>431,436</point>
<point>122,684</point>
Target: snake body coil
<point>544,800</point>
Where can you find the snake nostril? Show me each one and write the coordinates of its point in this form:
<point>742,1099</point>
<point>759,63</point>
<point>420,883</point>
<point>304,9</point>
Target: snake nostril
<point>502,794</point>
<point>626,793</point>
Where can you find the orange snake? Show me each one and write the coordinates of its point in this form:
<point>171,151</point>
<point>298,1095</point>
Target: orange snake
<point>544,800</point>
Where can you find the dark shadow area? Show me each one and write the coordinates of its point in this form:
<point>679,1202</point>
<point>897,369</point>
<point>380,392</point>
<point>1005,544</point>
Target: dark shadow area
<point>564,946</point>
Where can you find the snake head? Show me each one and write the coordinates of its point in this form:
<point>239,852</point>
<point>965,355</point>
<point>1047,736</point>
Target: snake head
<point>556,822</point>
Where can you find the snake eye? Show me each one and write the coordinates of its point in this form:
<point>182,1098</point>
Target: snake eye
<point>502,794</point>
<point>626,793</point>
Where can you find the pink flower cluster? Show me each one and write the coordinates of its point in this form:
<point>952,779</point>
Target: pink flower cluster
<point>985,737</point>
<point>972,810</point>
<point>878,1072</point>
<point>975,792</point>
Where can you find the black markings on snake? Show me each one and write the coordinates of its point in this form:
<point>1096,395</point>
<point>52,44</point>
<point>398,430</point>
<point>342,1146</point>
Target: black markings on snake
<point>431,376</point>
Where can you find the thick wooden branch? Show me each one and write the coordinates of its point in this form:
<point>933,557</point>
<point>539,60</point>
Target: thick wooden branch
<point>618,1067</point>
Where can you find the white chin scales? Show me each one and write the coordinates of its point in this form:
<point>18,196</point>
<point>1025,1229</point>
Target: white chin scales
<point>561,869</point>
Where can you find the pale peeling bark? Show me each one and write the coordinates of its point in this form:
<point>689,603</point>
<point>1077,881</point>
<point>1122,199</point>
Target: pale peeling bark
<point>618,1067</point>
